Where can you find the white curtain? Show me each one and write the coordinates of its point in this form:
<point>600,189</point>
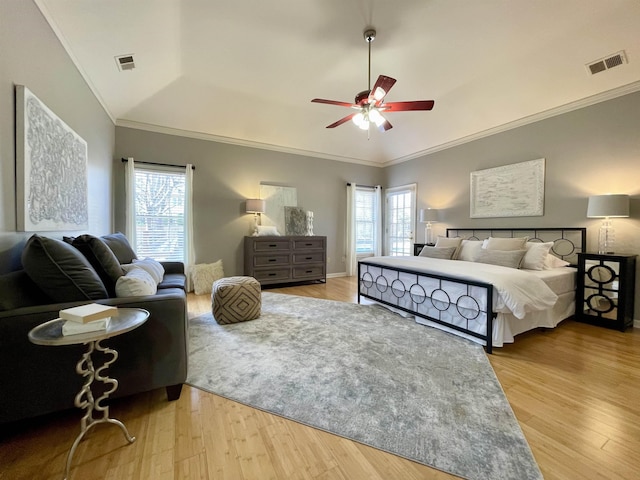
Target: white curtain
<point>350,247</point>
<point>130,199</point>
<point>189,251</point>
<point>377,235</point>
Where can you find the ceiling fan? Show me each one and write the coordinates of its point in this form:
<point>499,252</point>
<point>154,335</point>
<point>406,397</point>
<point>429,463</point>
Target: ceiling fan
<point>369,104</point>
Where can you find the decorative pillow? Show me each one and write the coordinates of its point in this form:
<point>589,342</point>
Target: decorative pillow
<point>469,249</point>
<point>18,290</point>
<point>101,258</point>
<point>536,254</point>
<point>504,258</point>
<point>267,230</point>
<point>137,282</point>
<point>497,243</point>
<point>438,252</point>
<point>151,266</point>
<point>450,242</point>
<point>554,262</point>
<point>120,246</point>
<point>204,274</point>
<point>61,271</point>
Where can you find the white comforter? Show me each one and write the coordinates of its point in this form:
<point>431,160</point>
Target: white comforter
<point>518,291</point>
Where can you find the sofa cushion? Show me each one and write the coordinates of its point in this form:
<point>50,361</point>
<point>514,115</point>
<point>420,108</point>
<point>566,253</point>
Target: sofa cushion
<point>61,271</point>
<point>101,258</point>
<point>120,246</point>
<point>17,290</point>
<point>173,280</point>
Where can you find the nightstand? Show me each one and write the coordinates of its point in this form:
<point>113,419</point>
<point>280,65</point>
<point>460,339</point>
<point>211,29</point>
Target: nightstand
<point>605,290</point>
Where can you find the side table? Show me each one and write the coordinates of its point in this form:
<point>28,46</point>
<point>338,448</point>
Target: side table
<point>50,333</point>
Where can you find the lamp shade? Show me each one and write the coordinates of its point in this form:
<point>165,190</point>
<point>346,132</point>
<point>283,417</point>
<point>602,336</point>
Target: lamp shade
<point>255,205</point>
<point>608,206</point>
<point>428,215</point>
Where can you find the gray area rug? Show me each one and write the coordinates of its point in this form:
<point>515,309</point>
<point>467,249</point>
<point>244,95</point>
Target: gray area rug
<point>370,375</point>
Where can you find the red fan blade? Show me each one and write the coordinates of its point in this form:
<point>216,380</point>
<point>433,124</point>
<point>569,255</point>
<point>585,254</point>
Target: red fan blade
<point>333,102</point>
<point>406,106</point>
<point>385,126</point>
<point>342,120</point>
<point>384,83</point>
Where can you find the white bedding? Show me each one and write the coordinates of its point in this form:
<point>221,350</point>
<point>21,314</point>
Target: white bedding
<point>523,299</point>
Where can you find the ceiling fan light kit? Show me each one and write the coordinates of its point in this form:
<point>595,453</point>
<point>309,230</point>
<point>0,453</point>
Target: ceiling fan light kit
<point>370,103</point>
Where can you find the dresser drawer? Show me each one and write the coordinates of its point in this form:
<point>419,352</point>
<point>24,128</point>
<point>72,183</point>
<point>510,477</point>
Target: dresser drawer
<point>264,260</point>
<point>315,271</point>
<point>271,245</point>
<point>272,274</point>
<point>309,244</point>
<point>313,257</point>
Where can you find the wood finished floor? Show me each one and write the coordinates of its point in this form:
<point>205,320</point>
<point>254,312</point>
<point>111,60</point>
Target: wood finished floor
<point>575,391</point>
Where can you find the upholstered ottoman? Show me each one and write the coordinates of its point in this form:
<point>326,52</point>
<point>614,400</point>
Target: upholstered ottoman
<point>235,299</point>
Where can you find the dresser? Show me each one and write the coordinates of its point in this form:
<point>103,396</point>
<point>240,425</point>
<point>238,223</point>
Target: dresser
<point>290,259</point>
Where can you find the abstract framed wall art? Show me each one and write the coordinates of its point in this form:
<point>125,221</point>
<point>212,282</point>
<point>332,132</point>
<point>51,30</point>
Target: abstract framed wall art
<point>51,169</point>
<point>515,190</point>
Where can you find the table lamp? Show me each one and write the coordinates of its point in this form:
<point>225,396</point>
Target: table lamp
<point>428,216</point>
<point>255,206</point>
<point>605,207</point>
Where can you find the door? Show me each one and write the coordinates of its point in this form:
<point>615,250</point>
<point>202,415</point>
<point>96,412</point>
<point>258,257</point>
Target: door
<point>400,220</point>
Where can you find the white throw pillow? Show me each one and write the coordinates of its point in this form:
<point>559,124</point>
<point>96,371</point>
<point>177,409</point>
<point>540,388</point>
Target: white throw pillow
<point>149,265</point>
<point>204,274</point>
<point>499,243</point>
<point>469,250</point>
<point>446,242</point>
<point>136,282</point>
<point>536,255</point>
<point>445,253</point>
<point>552,262</point>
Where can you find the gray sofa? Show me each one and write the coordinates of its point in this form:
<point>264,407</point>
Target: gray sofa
<point>37,380</point>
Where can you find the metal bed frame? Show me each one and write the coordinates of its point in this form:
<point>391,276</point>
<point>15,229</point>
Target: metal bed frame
<point>445,302</point>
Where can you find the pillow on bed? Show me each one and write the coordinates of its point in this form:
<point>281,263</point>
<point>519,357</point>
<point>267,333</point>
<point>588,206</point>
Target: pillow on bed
<point>468,249</point>
<point>536,255</point>
<point>504,258</point>
<point>438,252</point>
<point>554,262</point>
<point>446,242</point>
<point>498,243</point>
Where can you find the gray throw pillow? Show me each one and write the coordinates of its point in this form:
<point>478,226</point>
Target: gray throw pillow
<point>438,252</point>
<point>101,258</point>
<point>61,271</point>
<point>120,246</point>
<point>504,258</point>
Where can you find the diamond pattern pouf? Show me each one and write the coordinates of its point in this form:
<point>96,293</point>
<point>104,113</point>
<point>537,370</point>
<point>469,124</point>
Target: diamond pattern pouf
<point>235,299</point>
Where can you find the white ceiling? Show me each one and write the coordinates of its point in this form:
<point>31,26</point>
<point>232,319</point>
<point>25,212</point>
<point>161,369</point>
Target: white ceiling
<point>244,71</point>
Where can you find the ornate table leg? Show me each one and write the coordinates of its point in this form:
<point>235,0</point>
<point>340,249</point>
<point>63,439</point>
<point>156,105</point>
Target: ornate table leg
<point>84,399</point>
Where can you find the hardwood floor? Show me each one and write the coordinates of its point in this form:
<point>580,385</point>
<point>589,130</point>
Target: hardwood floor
<point>575,391</point>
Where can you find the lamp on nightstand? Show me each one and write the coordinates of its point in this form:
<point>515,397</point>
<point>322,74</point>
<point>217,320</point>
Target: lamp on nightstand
<point>255,206</point>
<point>605,207</point>
<point>428,216</point>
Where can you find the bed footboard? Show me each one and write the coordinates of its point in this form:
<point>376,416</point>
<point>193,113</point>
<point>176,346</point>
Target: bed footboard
<point>461,305</point>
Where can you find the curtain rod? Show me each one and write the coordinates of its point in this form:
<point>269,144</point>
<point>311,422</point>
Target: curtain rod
<point>159,164</point>
<point>363,186</point>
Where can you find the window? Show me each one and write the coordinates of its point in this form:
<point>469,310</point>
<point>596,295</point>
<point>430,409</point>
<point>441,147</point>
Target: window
<point>400,219</point>
<point>160,213</point>
<point>366,217</point>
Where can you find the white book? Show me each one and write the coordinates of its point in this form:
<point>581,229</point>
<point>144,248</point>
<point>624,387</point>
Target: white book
<point>88,313</point>
<point>70,327</point>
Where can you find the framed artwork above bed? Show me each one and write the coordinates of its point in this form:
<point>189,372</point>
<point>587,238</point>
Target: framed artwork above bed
<point>515,190</point>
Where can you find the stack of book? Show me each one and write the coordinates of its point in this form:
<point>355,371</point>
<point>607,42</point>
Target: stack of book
<point>87,318</point>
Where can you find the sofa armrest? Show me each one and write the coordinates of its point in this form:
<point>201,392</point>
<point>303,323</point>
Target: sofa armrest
<point>173,267</point>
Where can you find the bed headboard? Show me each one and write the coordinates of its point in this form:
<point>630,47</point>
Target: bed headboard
<point>567,241</point>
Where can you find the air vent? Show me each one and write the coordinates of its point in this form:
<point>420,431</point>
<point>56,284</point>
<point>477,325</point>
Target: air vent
<point>125,62</point>
<point>606,63</point>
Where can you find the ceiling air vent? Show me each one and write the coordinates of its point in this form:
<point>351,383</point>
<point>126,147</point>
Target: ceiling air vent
<point>125,62</point>
<point>607,63</point>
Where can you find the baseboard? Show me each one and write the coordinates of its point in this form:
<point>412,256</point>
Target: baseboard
<point>636,323</point>
<point>336,275</point>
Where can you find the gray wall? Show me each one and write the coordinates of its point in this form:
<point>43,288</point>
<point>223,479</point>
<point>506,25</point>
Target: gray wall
<point>31,55</point>
<point>591,151</point>
<point>226,175</point>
